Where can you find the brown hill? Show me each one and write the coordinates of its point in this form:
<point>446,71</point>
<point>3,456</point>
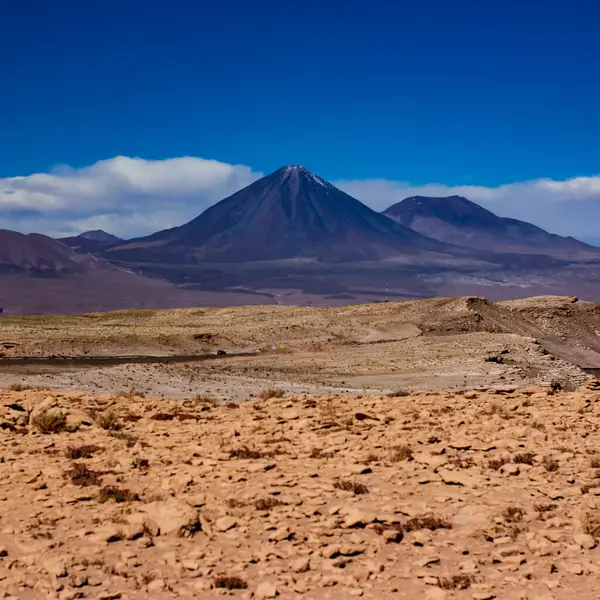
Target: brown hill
<point>291,213</point>
<point>40,255</point>
<point>456,220</point>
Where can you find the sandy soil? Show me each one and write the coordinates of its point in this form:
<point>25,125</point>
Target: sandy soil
<point>474,495</point>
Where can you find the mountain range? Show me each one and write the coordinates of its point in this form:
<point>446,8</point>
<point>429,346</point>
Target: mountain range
<point>292,234</point>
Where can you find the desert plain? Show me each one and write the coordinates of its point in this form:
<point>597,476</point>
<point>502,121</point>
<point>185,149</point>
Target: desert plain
<point>434,449</point>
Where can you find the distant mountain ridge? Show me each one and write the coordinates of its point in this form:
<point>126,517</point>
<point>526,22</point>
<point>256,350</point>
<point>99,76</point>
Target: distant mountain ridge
<point>90,241</point>
<point>41,255</point>
<point>288,214</point>
<point>457,220</point>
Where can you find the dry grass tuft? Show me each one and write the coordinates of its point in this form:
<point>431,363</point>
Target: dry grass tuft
<point>400,453</point>
<point>525,458</point>
<point>351,486</point>
<point>398,394</point>
<point>267,503</point>
<point>456,582</point>
<point>271,393</point>
<point>108,421</point>
<point>85,451</point>
<point>111,492</point>
<point>550,464</point>
<point>595,462</point>
<point>20,387</point>
<point>320,453</point>
<point>513,514</point>
<point>497,463</point>
<point>81,475</point>
<point>245,453</point>
<point>431,522</point>
<point>230,583</point>
<point>591,524</point>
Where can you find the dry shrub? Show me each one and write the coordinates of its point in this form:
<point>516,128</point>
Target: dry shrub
<point>267,503</point>
<point>319,453</point>
<point>400,453</point>
<point>20,387</point>
<point>431,522</point>
<point>398,394</point>
<point>524,458</point>
<point>163,417</point>
<point>591,524</point>
<point>245,453</point>
<point>111,492</point>
<point>85,451</point>
<point>370,458</point>
<point>539,426</point>
<point>140,463</point>
<point>108,420</point>
<point>351,486</point>
<point>513,514</point>
<point>230,583</point>
<point>81,475</point>
<point>271,393</point>
<point>595,462</point>
<point>206,399</point>
<point>497,463</point>
<point>544,508</point>
<point>550,464</point>
<point>456,582</point>
<point>50,421</point>
<point>463,462</point>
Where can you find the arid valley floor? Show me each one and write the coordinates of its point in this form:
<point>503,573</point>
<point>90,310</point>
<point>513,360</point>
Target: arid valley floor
<point>434,449</point>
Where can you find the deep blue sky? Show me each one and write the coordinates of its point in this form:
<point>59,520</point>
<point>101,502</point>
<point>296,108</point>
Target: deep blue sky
<point>461,91</point>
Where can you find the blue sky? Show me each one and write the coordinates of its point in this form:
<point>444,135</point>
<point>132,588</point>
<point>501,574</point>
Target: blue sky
<point>454,92</point>
<point>461,93</point>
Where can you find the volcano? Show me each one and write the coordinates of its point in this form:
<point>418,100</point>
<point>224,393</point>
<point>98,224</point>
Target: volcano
<point>288,214</point>
<point>457,220</point>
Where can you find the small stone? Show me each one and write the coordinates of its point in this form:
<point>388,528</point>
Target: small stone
<point>435,594</point>
<point>158,585</point>
<point>283,533</point>
<point>265,590</point>
<point>225,523</point>
<point>429,580</point>
<point>301,565</point>
<point>584,540</point>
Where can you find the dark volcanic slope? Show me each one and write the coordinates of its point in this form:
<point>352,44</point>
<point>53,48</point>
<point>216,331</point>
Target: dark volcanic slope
<point>288,214</point>
<point>40,255</point>
<point>456,220</point>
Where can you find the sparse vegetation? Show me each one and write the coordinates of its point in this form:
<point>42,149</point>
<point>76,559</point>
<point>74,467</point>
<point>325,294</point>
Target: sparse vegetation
<point>513,514</point>
<point>108,420</point>
<point>230,583</point>
<point>320,453</point>
<point>398,394</point>
<point>20,387</point>
<point>497,463</point>
<point>267,503</point>
<point>550,464</point>
<point>271,393</point>
<point>595,462</point>
<point>524,458</point>
<point>245,453</point>
<point>400,453</point>
<point>85,451</point>
<point>351,486</point>
<point>591,524</point>
<point>456,582</point>
<point>81,475</point>
<point>431,522</point>
<point>140,463</point>
<point>117,494</point>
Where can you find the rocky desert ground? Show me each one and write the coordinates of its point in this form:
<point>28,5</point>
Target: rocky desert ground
<point>435,449</point>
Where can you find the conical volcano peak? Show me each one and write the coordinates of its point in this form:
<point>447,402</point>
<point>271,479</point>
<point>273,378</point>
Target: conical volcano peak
<point>298,174</point>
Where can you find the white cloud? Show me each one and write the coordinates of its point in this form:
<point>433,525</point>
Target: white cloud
<point>126,196</point>
<point>133,196</point>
